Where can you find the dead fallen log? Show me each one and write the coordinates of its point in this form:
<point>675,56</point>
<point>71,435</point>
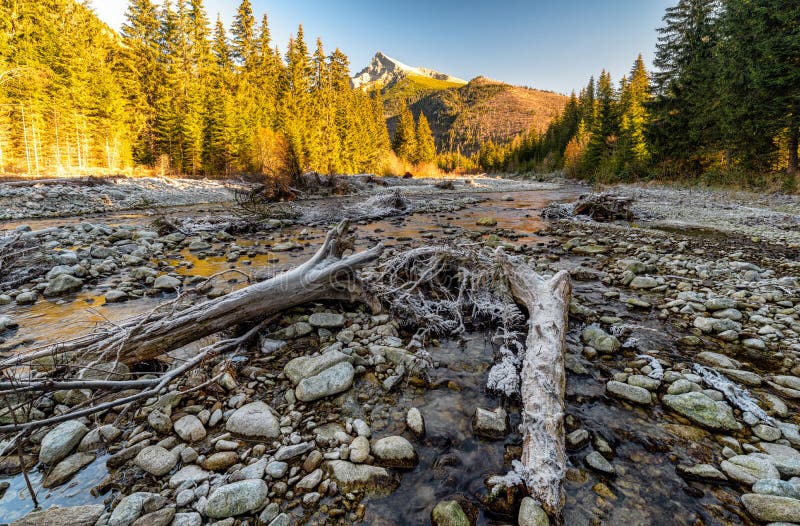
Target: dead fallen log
<point>328,275</point>
<point>604,207</point>
<point>543,382</point>
<point>599,207</point>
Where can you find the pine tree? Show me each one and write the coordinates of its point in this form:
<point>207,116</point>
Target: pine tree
<point>404,143</point>
<point>685,123</point>
<point>760,81</point>
<point>145,73</point>
<point>635,97</point>
<point>426,147</point>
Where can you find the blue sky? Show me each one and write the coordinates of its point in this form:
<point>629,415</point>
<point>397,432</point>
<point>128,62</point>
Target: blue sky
<point>546,44</point>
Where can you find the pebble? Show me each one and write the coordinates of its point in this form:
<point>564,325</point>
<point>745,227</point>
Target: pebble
<point>598,462</point>
<point>190,428</point>
<point>631,393</point>
<point>415,422</point>
<point>254,420</point>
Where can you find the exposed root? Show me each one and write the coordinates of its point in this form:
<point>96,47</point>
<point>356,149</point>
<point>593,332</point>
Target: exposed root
<point>379,206</point>
<point>444,288</point>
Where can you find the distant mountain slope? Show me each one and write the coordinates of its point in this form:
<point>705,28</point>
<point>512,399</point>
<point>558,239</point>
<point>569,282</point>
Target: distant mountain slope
<point>462,118</point>
<point>462,114</point>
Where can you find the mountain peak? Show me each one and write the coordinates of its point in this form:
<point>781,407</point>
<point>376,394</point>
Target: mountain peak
<point>384,70</point>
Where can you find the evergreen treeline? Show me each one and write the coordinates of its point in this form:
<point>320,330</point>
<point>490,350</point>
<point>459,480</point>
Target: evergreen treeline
<point>174,93</point>
<point>412,142</point>
<point>724,101</point>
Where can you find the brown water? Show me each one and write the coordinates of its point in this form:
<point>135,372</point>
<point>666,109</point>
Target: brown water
<point>647,489</point>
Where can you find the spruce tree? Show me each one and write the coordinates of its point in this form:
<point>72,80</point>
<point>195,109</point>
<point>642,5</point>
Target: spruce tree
<point>145,76</point>
<point>635,98</point>
<point>760,82</point>
<point>604,130</point>
<point>426,147</point>
<point>685,124</point>
<point>243,33</point>
<point>404,143</point>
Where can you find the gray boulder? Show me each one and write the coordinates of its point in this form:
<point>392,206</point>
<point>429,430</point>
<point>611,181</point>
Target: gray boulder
<point>62,284</point>
<point>702,410</point>
<point>156,460</point>
<point>305,366</point>
<point>61,440</point>
<point>334,380</point>
<point>631,393</point>
<point>394,451</point>
<point>166,282</point>
<point>254,420</point>
<point>237,498</point>
<point>771,508</point>
<point>326,320</point>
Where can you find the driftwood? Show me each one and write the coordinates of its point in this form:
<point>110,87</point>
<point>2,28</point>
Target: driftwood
<point>22,258</point>
<point>604,207</point>
<point>599,207</point>
<point>543,383</point>
<point>328,275</point>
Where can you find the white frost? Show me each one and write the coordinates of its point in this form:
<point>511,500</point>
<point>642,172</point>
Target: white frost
<point>736,395</point>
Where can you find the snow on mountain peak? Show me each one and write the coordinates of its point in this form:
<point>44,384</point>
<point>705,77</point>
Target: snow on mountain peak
<point>383,70</point>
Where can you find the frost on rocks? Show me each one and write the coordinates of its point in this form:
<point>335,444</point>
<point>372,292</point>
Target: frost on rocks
<point>736,395</point>
<point>657,372</point>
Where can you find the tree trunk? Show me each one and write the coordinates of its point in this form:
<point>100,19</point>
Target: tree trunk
<point>326,276</point>
<point>543,383</point>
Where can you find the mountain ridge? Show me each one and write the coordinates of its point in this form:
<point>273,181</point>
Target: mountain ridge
<point>384,70</point>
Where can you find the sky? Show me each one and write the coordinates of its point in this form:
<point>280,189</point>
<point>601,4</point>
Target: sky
<point>546,44</point>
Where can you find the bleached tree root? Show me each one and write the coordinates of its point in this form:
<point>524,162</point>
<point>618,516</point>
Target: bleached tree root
<point>543,382</point>
<point>328,275</point>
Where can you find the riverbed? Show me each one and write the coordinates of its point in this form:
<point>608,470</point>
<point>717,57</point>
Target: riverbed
<point>644,284</point>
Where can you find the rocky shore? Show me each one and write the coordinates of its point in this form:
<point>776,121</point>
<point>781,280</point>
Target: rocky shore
<point>683,380</point>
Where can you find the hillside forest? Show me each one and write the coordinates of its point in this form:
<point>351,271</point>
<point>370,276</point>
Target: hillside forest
<point>175,93</point>
<point>722,106</point>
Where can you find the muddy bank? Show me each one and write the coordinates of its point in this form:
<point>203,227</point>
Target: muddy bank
<point>653,437</point>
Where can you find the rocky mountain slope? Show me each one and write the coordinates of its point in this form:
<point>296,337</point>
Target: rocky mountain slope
<point>384,71</point>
